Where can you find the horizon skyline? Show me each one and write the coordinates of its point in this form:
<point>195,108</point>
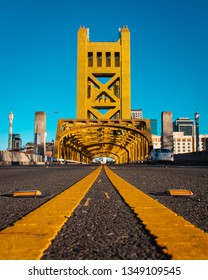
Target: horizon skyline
<point>169,58</point>
<point>158,134</point>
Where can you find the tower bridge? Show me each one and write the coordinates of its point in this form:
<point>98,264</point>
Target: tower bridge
<point>103,126</point>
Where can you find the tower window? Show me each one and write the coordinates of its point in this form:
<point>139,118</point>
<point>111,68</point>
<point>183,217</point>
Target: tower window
<point>108,59</point>
<point>90,59</point>
<point>117,59</point>
<point>99,59</point>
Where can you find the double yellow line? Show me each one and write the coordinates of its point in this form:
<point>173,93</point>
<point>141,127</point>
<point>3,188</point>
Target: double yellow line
<point>29,237</point>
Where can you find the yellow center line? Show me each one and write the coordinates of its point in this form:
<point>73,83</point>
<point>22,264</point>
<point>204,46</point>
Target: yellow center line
<point>29,237</point>
<point>178,237</point>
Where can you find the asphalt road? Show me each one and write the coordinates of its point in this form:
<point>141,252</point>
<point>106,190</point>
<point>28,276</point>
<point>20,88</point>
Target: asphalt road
<point>156,180</point>
<point>50,181</point>
<point>103,226</point>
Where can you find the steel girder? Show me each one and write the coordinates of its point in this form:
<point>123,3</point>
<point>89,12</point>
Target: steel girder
<point>83,140</point>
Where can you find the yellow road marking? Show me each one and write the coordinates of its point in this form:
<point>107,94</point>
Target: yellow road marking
<point>107,195</point>
<point>87,202</point>
<point>31,236</point>
<point>180,239</point>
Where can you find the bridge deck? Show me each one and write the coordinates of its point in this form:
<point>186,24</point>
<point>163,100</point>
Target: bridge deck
<point>103,226</point>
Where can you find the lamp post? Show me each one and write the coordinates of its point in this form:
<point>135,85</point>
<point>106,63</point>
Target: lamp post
<point>11,117</point>
<point>196,115</point>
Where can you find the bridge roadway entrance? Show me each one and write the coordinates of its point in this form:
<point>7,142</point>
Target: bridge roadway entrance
<point>110,212</point>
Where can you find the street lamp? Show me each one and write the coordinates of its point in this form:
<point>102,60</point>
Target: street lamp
<point>11,117</point>
<point>196,115</point>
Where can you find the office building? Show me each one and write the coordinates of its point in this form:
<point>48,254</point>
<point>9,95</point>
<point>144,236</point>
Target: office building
<point>184,125</point>
<point>167,130</point>
<point>40,133</point>
<point>16,142</point>
<point>153,126</point>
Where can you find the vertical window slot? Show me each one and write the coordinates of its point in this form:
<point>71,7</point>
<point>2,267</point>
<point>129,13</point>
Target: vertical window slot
<point>99,59</point>
<point>90,59</point>
<point>117,59</point>
<point>108,59</point>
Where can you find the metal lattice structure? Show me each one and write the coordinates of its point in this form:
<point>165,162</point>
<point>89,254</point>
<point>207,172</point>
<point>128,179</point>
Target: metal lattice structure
<point>103,127</point>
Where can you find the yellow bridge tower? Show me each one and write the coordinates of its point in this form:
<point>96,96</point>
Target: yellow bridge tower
<point>103,127</point>
<point>103,77</point>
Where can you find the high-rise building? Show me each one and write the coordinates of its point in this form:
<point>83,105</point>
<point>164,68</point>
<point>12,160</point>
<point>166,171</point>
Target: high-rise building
<point>184,125</point>
<point>153,126</point>
<point>11,117</point>
<point>16,142</point>
<point>167,130</point>
<point>40,133</point>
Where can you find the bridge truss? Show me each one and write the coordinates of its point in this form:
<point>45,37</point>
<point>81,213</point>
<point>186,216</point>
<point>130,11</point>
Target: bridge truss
<point>103,127</point>
<point>84,140</point>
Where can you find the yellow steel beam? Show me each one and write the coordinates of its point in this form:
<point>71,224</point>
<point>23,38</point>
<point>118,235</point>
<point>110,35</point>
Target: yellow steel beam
<point>96,60</point>
<point>84,136</point>
<point>103,100</point>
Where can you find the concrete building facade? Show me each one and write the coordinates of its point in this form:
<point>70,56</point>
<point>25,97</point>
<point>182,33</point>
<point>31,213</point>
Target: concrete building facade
<point>40,133</point>
<point>167,130</point>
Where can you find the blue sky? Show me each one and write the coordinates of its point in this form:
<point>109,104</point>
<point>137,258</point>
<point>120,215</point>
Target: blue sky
<point>169,57</point>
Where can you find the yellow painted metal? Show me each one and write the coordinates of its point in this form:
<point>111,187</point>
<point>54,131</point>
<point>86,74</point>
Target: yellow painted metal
<point>89,139</point>
<point>103,77</point>
<point>29,237</point>
<point>103,100</point>
<point>176,236</point>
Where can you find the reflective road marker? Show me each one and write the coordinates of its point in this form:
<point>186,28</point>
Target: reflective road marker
<point>179,192</point>
<point>27,193</point>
